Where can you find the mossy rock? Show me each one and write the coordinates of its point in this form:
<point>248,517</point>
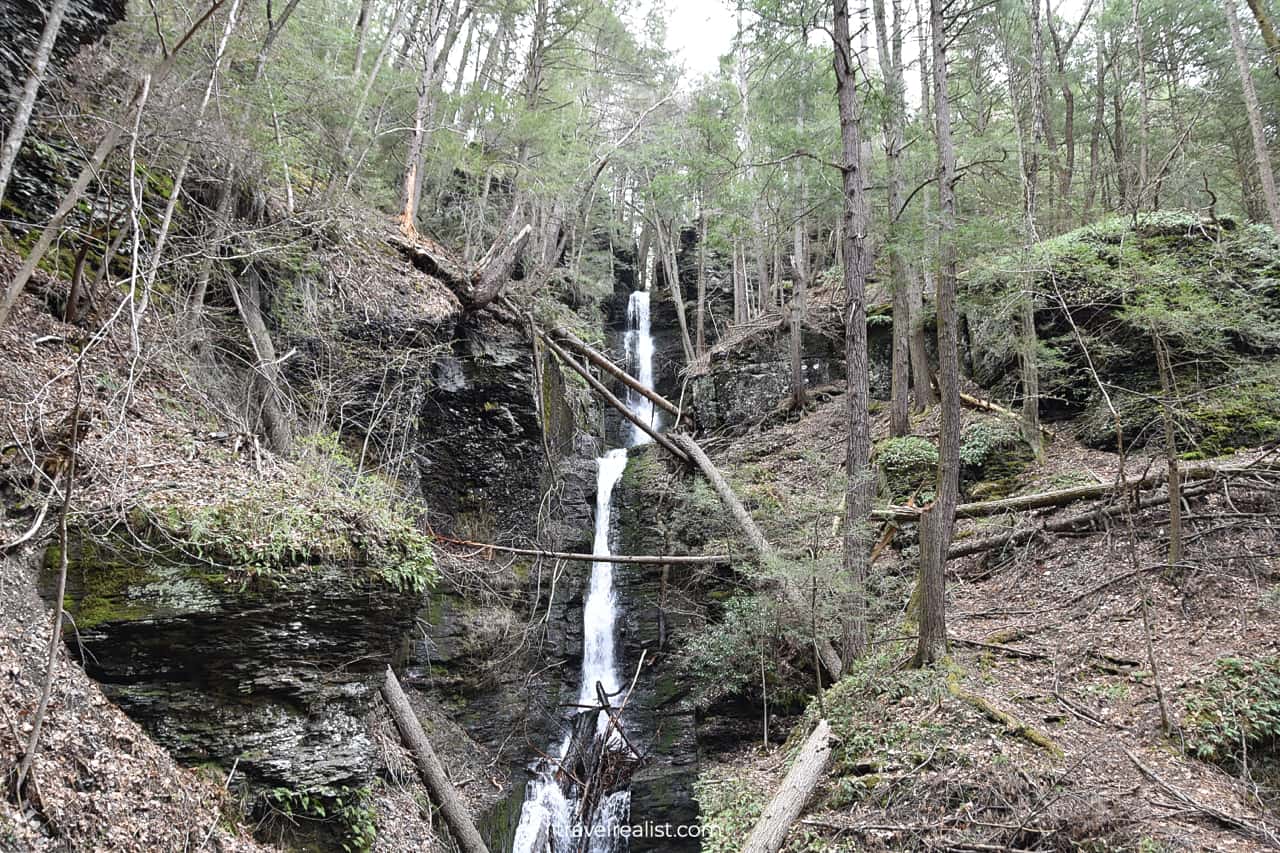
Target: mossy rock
<point>904,465</point>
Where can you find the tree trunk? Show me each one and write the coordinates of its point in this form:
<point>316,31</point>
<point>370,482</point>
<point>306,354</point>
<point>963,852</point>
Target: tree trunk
<point>1269,36</point>
<point>453,809</point>
<point>1095,131</point>
<point>1265,175</point>
<point>221,215</point>
<point>921,375</point>
<point>94,166</point>
<point>670,264</point>
<point>1144,120</point>
<point>577,344</point>
<point>666,442</point>
<point>22,115</point>
<point>273,32</point>
<point>268,377</point>
<point>889,47</point>
<point>362,34</point>
<point>1167,390</point>
<point>806,773</point>
<point>409,186</point>
<point>800,268</point>
<point>700,316</point>
<point>860,489</point>
<point>938,522</point>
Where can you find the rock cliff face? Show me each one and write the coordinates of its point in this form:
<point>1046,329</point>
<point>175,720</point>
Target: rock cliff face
<point>274,680</point>
<point>85,22</point>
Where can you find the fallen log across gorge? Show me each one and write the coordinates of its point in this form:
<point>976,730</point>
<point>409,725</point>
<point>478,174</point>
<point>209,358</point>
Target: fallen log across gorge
<point>641,559</point>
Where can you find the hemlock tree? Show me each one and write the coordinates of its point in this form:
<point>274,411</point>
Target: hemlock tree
<point>937,523</point>
<point>856,223</point>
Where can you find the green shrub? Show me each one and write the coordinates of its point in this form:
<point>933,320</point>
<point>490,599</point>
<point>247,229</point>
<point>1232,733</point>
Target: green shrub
<point>727,810</point>
<point>348,812</point>
<point>1234,711</point>
<point>905,464</point>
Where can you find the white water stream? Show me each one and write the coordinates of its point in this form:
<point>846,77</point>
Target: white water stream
<point>548,819</point>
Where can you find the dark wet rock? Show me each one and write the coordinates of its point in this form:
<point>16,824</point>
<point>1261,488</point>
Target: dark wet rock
<point>274,679</point>
<point>744,384</point>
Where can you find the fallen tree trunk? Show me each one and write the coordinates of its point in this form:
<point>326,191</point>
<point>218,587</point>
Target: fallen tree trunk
<point>657,560</point>
<point>1063,497</point>
<point>1060,525</point>
<point>476,287</point>
<point>609,398</point>
<point>577,344</point>
<point>438,785</point>
<point>797,787</point>
<point>755,536</point>
<point>988,406</point>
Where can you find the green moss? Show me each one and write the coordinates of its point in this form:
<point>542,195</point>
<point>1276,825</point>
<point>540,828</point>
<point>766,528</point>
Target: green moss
<point>905,464</point>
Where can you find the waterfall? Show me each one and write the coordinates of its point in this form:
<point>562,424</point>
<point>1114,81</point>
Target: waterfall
<point>639,349</point>
<point>548,818</point>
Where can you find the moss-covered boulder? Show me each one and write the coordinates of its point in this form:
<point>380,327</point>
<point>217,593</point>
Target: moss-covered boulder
<point>1106,295</point>
<point>904,465</point>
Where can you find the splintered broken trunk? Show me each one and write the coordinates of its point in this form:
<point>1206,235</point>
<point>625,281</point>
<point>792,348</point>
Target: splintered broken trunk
<point>597,763</point>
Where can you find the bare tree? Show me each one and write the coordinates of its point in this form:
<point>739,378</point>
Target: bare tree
<point>22,116</point>
<point>938,521</point>
<point>859,490</point>
<point>91,169</point>
<point>1265,175</point>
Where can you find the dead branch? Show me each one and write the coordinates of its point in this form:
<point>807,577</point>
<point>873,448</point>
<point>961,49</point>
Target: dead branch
<point>657,560</point>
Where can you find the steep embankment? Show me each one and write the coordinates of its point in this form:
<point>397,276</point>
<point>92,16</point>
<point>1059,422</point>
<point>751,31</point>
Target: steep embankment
<point>240,603</point>
<point>1045,729</point>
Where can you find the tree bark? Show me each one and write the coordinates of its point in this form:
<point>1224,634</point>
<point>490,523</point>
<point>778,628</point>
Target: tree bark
<point>273,32</point>
<point>889,47</point>
<point>938,522</point>
<point>667,250</point>
<point>800,268</point>
<point>1165,367</point>
<point>662,440</point>
<point>26,103</point>
<point>94,166</point>
<point>1269,36</point>
<point>860,489</point>
<point>1139,198</point>
<point>1265,175</point>
<point>453,809</point>
<point>575,343</point>
<point>1075,494</point>
<point>806,773</point>
<point>700,315</point>
<point>268,377</point>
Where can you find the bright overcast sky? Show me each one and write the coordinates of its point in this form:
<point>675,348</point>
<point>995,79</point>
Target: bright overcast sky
<point>698,32</point>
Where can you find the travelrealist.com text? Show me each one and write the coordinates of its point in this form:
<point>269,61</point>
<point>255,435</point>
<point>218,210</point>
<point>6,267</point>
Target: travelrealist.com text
<point>646,829</point>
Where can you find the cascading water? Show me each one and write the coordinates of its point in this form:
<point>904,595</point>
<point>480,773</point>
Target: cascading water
<point>639,348</point>
<point>549,819</point>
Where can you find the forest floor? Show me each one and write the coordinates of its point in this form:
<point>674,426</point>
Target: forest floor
<point>1050,634</point>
